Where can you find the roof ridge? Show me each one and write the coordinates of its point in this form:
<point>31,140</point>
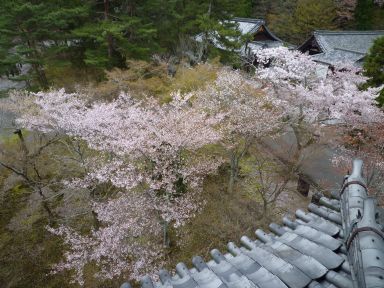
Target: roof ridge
<point>250,20</point>
<point>348,50</point>
<point>367,32</point>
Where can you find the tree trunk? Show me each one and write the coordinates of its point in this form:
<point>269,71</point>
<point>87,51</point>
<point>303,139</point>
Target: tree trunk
<point>235,156</point>
<point>234,171</point>
<point>166,240</point>
<point>41,77</point>
<point>43,81</point>
<point>302,185</point>
<point>109,36</point>
<point>45,203</point>
<point>265,209</point>
<point>46,207</point>
<point>25,150</point>
<point>36,184</point>
<point>96,222</point>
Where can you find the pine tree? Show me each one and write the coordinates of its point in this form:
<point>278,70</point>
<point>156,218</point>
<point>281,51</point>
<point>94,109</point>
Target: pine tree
<point>363,14</point>
<point>166,16</point>
<point>212,17</point>
<point>114,31</point>
<point>33,31</point>
<point>374,67</point>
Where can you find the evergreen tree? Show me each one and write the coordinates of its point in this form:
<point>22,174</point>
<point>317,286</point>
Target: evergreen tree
<point>279,18</point>
<point>363,14</point>
<point>114,31</point>
<point>166,16</point>
<point>374,67</point>
<point>103,34</point>
<point>312,15</point>
<point>212,18</point>
<point>295,20</point>
<point>33,31</point>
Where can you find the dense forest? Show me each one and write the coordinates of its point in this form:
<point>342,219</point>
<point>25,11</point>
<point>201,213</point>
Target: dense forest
<point>132,146</point>
<point>85,37</point>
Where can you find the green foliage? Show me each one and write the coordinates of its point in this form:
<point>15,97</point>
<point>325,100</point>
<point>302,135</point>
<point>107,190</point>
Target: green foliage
<point>378,18</point>
<point>210,17</point>
<point>100,35</point>
<point>374,67</point>
<point>278,15</point>
<point>368,16</point>
<point>363,14</point>
<point>151,78</point>
<point>31,30</point>
<point>119,32</point>
<point>294,21</point>
<point>262,8</point>
<point>313,15</point>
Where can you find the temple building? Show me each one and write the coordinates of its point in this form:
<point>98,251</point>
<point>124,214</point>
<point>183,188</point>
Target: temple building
<point>259,34</point>
<point>332,47</point>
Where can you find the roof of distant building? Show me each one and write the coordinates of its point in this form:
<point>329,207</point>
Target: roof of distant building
<point>332,47</point>
<point>248,25</point>
<point>338,242</point>
<point>262,37</point>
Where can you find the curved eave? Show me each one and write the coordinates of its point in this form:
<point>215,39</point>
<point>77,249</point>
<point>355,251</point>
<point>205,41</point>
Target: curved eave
<point>270,33</point>
<point>312,38</point>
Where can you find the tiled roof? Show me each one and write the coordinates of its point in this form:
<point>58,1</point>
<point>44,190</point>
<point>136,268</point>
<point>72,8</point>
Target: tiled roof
<point>338,56</point>
<point>343,46</point>
<point>338,242</point>
<point>248,25</point>
<point>355,41</point>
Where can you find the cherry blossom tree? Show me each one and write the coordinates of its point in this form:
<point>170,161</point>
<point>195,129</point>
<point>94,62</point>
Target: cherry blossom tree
<point>153,154</point>
<point>291,76</point>
<point>266,181</point>
<point>310,101</point>
<point>247,113</point>
<point>123,244</point>
<point>127,131</point>
<point>30,164</point>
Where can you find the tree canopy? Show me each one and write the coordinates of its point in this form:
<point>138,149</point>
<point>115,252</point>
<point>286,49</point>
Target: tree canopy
<point>103,34</point>
<point>374,67</point>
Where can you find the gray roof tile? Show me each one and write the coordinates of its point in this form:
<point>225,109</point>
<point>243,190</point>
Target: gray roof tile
<point>343,46</point>
<point>338,244</point>
<point>355,41</point>
<point>248,25</point>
